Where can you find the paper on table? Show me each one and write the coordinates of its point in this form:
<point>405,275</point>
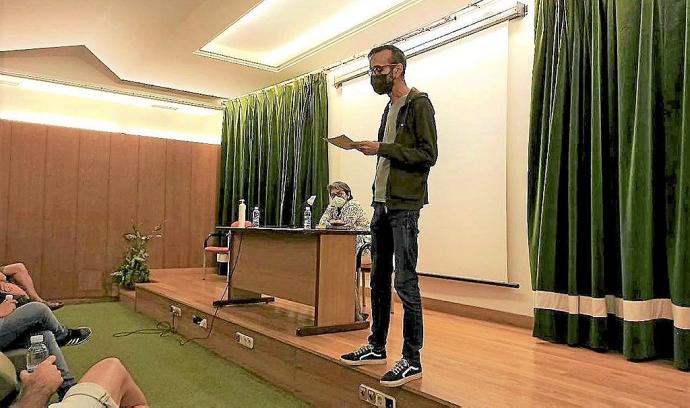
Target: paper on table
<point>342,142</point>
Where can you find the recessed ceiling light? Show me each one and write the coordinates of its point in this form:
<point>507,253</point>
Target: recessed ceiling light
<point>266,38</point>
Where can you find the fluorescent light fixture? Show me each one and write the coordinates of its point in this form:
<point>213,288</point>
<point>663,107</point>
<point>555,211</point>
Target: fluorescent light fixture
<point>337,20</point>
<point>465,22</point>
<point>103,95</point>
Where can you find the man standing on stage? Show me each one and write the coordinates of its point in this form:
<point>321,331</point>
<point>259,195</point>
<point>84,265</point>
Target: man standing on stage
<point>406,150</point>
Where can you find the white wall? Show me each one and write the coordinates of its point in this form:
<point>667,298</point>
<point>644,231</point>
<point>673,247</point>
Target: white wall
<point>358,171</point>
<point>74,107</point>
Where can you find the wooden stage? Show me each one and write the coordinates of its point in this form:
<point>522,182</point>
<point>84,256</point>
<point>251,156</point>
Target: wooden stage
<point>466,362</point>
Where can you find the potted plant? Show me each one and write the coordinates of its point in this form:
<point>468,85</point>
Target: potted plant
<point>135,268</point>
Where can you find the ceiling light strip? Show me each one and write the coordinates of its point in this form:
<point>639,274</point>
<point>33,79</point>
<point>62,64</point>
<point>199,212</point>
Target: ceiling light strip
<point>152,97</point>
<point>517,11</point>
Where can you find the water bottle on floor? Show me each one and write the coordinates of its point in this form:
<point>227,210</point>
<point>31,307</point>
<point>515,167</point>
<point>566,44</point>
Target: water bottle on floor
<point>255,217</point>
<point>37,353</point>
<point>307,217</point>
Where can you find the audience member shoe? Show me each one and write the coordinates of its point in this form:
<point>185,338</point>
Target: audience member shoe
<point>53,305</point>
<point>364,356</point>
<point>76,336</point>
<point>401,373</point>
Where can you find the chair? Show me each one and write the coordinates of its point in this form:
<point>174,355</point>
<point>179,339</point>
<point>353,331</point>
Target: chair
<point>218,250</point>
<point>361,268</point>
<point>11,363</point>
<point>360,271</point>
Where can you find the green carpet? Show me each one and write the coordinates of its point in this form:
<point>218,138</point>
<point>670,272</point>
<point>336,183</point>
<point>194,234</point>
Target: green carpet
<point>170,375</point>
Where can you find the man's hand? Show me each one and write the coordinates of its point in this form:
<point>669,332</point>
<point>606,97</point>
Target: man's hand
<point>44,379</point>
<point>38,386</point>
<point>368,148</point>
<point>7,307</point>
<point>339,223</point>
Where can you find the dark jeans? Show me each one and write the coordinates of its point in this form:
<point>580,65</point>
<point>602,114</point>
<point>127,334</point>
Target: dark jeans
<point>36,318</point>
<point>394,234</point>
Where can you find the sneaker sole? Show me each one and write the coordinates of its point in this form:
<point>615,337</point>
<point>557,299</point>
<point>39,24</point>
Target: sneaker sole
<point>362,362</point>
<point>403,381</point>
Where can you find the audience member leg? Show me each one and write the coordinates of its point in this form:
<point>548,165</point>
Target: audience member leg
<point>117,381</point>
<point>67,378</point>
<point>21,277</point>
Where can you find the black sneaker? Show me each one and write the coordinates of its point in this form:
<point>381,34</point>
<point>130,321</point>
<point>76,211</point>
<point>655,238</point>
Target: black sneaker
<point>76,336</point>
<point>364,356</point>
<point>401,373</point>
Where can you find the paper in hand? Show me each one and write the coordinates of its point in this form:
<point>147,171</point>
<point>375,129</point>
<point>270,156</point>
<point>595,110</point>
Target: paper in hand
<point>342,142</point>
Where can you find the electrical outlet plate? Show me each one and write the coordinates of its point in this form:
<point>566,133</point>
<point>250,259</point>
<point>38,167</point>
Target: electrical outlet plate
<point>375,397</point>
<point>175,310</point>
<point>244,340</point>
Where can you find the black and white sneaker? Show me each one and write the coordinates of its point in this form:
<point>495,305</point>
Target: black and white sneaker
<point>364,356</point>
<point>401,373</point>
<point>76,336</point>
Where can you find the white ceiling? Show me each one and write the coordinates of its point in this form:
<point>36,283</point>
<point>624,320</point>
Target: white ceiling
<point>153,41</point>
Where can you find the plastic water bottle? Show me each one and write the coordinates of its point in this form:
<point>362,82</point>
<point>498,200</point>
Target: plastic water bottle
<point>37,353</point>
<point>307,217</point>
<point>256,214</point>
<point>242,217</point>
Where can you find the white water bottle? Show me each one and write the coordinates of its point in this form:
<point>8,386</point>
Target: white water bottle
<point>256,215</point>
<point>37,353</point>
<point>242,216</point>
<point>307,217</point>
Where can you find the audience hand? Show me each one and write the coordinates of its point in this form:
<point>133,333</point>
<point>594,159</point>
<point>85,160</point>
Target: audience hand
<point>368,148</point>
<point>45,379</point>
<point>7,307</point>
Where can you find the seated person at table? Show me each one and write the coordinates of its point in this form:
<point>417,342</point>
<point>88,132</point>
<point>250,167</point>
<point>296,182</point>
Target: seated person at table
<point>21,286</point>
<point>107,384</point>
<point>344,211</point>
<point>18,324</point>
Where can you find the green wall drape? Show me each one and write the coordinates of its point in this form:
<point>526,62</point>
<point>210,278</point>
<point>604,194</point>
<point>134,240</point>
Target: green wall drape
<point>609,176</point>
<point>273,152</point>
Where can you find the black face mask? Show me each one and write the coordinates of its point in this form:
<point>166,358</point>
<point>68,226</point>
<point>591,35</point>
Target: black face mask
<point>382,83</point>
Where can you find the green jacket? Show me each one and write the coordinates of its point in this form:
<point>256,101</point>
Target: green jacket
<point>412,154</point>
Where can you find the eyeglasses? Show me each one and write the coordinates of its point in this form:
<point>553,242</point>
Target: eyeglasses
<point>337,194</point>
<point>378,69</point>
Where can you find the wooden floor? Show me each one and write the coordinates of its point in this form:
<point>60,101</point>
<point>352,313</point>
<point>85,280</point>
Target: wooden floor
<point>466,362</point>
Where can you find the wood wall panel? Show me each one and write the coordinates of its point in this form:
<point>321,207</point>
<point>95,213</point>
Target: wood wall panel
<point>203,198</point>
<point>178,178</point>
<point>60,212</point>
<point>26,197</point>
<point>151,196</point>
<point>67,195</point>
<point>123,175</point>
<point>5,147</point>
<point>92,213</point>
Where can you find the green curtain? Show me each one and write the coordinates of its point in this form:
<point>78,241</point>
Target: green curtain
<point>609,176</point>
<point>273,153</point>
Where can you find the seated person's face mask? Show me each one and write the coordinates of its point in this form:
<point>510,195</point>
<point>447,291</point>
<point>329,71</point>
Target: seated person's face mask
<point>338,202</point>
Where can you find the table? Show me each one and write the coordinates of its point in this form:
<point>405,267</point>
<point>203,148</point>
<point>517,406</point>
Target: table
<point>314,267</point>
